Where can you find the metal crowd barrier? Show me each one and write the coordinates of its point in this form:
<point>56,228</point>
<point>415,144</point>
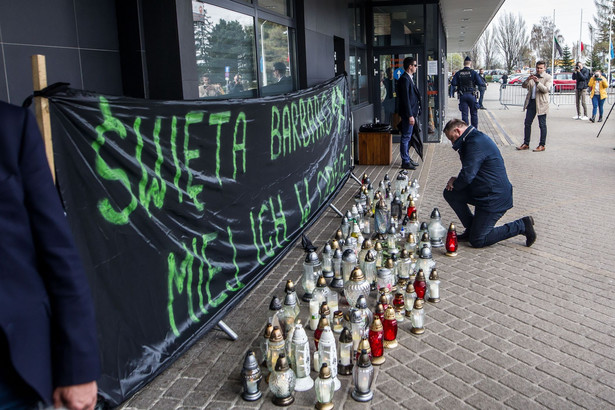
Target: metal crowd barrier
<point>561,94</point>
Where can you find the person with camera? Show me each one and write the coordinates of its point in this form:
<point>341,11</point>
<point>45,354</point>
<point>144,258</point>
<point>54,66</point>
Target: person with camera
<point>598,86</point>
<point>581,75</point>
<point>536,103</point>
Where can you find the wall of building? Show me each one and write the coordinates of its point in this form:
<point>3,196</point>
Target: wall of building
<point>78,37</point>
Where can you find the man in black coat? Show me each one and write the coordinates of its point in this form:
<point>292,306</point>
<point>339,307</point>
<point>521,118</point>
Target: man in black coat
<point>482,182</point>
<point>409,109</point>
<point>48,346</point>
<point>581,75</point>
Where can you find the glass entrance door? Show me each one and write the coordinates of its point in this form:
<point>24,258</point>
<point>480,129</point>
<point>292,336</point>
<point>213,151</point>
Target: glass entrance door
<point>388,68</point>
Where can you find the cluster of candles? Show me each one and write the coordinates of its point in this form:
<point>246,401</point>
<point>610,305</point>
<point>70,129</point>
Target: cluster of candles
<point>402,271</point>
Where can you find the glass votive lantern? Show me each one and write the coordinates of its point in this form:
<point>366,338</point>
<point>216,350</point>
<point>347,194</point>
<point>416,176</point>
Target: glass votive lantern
<point>379,254</point>
<point>327,261</point>
<point>420,285</point>
<point>264,344</point>
<point>434,287</point>
<point>300,357</point>
<point>338,317</point>
<point>451,241</point>
<point>403,265</point>
<point>366,247</point>
<point>311,272</point>
<point>327,353</point>
<point>392,240</point>
<point>325,389</point>
<point>322,291</point>
<point>424,242</point>
<point>425,261</point>
<point>251,377</point>
<point>397,208</point>
<point>390,328</point>
<point>290,289</point>
<point>385,279</point>
<point>418,318</point>
<point>370,268</point>
<point>282,383</point>
<point>337,283</point>
<point>344,366</point>
<point>398,304</point>
<point>409,299</point>
<point>333,302</point>
<point>275,348</point>
<point>381,219</point>
<point>356,286</point>
<point>376,341</point>
<point>366,313</point>
<point>364,345</point>
<point>314,313</point>
<point>349,262</point>
<point>357,328</point>
<point>363,376</point>
<point>437,231</point>
<point>345,226</point>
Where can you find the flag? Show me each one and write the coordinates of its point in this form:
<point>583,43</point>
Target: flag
<point>582,46</point>
<point>612,53</point>
<point>558,47</point>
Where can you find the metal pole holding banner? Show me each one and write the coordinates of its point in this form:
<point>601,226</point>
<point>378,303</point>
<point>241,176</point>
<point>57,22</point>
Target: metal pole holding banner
<point>41,107</point>
<point>226,329</point>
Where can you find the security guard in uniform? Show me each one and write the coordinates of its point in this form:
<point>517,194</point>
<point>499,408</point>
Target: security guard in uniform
<point>466,81</point>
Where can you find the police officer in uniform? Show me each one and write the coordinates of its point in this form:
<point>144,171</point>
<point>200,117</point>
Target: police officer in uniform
<point>466,81</point>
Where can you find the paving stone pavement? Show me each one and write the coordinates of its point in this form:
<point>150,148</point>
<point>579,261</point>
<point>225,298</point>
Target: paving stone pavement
<point>517,327</point>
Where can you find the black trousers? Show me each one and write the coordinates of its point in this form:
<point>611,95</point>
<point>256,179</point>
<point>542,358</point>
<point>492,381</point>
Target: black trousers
<point>530,113</point>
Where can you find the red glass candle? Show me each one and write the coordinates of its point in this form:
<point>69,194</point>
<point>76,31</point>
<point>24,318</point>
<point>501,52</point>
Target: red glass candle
<point>420,285</point>
<point>318,332</point>
<point>376,341</point>
<point>390,328</point>
<point>451,241</point>
<point>398,302</point>
<point>411,208</point>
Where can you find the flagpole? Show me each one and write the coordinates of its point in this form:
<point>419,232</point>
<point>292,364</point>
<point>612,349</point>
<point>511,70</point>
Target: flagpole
<point>608,74</point>
<point>553,46</point>
<point>580,35</point>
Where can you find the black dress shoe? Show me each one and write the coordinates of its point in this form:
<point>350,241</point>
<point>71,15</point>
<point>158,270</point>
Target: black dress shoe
<point>414,163</point>
<point>530,233</point>
<point>463,237</point>
<point>407,166</point>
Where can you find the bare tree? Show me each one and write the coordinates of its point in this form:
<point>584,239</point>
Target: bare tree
<point>541,38</point>
<point>487,48</point>
<point>475,56</point>
<point>511,38</point>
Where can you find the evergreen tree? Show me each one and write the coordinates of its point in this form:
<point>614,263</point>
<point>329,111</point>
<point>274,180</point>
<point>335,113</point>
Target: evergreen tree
<point>566,61</point>
<point>604,8</point>
<point>594,62</point>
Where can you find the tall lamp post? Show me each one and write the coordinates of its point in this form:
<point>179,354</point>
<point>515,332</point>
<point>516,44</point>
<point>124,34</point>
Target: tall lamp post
<point>608,75</point>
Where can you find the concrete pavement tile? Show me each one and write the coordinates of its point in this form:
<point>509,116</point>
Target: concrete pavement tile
<point>437,358</point>
<point>462,355</point>
<point>145,398</point>
<point>426,369</point>
<point>494,389</point>
<point>528,373</point>
<point>520,385</point>
<point>607,395</point>
<point>450,402</point>
<point>464,373</point>
<point>200,399</point>
<point>475,333</point>
<point>519,402</point>
<point>166,404</point>
<point>428,391</point>
<point>438,343</point>
<point>498,358</point>
<point>180,388</point>
<point>455,386</point>
<point>487,368</point>
<point>480,400</point>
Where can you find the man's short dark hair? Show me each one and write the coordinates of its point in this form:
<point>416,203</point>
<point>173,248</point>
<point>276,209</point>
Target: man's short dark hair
<point>540,62</point>
<point>454,123</point>
<point>408,61</point>
<point>279,66</point>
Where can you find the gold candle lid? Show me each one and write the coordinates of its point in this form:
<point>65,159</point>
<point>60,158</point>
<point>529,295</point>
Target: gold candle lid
<point>433,275</point>
<point>376,325</point>
<point>367,244</point>
<point>379,309</point>
<point>389,264</point>
<point>357,275</point>
<point>389,313</point>
<point>364,344</point>
<point>411,239</point>
<point>335,244</point>
<point>378,246</point>
<point>290,286</point>
<point>325,372</point>
<point>268,330</point>
<point>323,322</point>
<point>420,276</point>
<point>322,282</point>
<point>276,335</point>
<point>410,288</point>
<point>418,303</point>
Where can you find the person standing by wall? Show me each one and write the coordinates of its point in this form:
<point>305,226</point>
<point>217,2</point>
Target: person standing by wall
<point>466,81</point>
<point>598,86</point>
<point>536,103</point>
<point>409,109</point>
<point>482,88</point>
<point>581,75</point>
<point>48,345</point>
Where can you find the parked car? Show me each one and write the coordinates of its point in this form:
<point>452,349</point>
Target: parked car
<point>517,79</point>
<point>563,82</point>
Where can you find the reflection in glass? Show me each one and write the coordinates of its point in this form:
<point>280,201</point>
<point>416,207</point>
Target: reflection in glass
<point>276,6</point>
<point>359,92</point>
<point>225,52</point>
<point>276,58</point>
<point>399,26</point>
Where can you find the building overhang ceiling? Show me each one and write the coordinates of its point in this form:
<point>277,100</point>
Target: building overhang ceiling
<point>465,20</point>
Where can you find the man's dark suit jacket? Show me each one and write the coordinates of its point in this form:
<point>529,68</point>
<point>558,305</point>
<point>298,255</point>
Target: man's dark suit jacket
<point>408,98</point>
<point>46,312</point>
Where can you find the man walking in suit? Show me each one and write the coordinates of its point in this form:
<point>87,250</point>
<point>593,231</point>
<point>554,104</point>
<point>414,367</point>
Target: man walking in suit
<point>409,109</point>
<point>48,346</point>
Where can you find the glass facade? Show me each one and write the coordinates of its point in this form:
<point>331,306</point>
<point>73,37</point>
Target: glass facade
<point>399,26</point>
<point>236,58</point>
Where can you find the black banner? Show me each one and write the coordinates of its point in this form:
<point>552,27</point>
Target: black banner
<point>180,207</point>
